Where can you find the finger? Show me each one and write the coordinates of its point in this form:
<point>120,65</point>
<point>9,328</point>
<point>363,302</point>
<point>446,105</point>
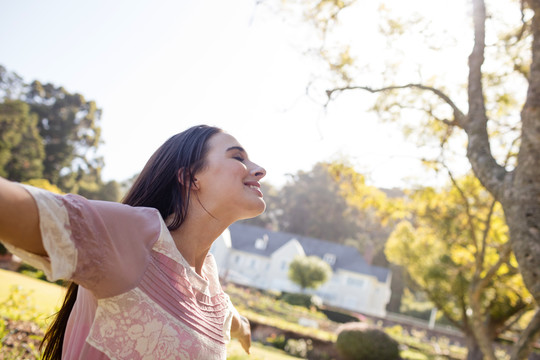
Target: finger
<point>246,343</point>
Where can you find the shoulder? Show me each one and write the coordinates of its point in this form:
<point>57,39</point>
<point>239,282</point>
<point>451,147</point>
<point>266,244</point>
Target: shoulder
<point>129,221</point>
<point>74,203</point>
<point>123,211</point>
<point>107,219</point>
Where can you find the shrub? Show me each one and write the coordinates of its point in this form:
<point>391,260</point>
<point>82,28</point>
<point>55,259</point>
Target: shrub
<point>418,314</point>
<point>298,299</point>
<point>274,294</point>
<point>339,316</point>
<point>18,305</point>
<point>358,341</point>
<point>277,341</point>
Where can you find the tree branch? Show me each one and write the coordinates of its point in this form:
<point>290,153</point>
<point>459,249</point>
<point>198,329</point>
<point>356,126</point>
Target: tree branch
<point>459,116</point>
<point>467,210</point>
<point>490,174</point>
<point>523,346</point>
<point>485,235</point>
<point>440,306</point>
<point>515,318</point>
<point>503,258</point>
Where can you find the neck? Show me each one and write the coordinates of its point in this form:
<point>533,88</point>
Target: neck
<point>195,237</point>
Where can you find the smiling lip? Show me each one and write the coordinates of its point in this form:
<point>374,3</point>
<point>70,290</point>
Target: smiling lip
<point>255,186</point>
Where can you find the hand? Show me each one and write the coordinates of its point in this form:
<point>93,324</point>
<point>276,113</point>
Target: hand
<point>241,330</point>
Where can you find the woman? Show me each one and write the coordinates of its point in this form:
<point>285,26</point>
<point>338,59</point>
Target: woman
<point>147,286</point>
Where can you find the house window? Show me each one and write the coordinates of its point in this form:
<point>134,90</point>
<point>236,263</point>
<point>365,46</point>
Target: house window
<point>330,259</point>
<point>253,263</point>
<point>237,259</point>
<point>284,265</point>
<point>353,281</point>
<point>261,244</point>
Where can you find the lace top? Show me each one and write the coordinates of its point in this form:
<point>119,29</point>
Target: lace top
<point>138,297</point>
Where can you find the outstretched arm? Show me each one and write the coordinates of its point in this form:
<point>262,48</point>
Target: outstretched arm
<point>19,218</point>
<point>241,330</point>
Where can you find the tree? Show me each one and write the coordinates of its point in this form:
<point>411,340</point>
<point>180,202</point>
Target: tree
<point>455,246</point>
<point>309,272</point>
<point>380,209</point>
<point>96,189</point>
<point>21,148</point>
<point>68,127</point>
<point>47,132</point>
<point>502,130</point>
<point>11,84</point>
<point>44,184</point>
<point>313,204</point>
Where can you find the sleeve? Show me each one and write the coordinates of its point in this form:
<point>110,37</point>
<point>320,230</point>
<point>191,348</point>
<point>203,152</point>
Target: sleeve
<point>101,245</point>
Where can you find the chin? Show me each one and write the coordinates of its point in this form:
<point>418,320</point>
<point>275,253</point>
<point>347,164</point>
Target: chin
<point>256,210</point>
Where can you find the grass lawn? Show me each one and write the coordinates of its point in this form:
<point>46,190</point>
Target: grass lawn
<point>45,297</point>
<point>258,351</point>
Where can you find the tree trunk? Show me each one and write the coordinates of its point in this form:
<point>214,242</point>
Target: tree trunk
<point>517,191</point>
<point>482,332</point>
<point>522,213</point>
<point>473,349</point>
<point>522,201</point>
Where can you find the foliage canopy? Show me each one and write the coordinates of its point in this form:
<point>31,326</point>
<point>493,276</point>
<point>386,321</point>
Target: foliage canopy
<point>309,271</point>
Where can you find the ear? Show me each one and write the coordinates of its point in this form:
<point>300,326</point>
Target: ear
<point>183,179</point>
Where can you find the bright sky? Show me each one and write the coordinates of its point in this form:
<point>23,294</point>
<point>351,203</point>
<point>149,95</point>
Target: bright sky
<point>158,67</point>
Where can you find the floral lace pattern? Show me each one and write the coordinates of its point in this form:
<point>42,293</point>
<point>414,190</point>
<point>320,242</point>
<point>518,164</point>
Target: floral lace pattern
<point>56,235</point>
<point>130,326</point>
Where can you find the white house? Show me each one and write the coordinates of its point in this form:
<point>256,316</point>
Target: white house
<point>257,257</point>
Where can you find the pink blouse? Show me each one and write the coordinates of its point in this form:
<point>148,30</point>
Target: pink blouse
<point>138,297</point>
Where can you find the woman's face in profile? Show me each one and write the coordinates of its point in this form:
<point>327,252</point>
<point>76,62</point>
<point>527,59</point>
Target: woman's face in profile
<point>228,186</point>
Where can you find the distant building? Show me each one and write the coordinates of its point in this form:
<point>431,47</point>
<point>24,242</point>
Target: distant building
<point>257,257</point>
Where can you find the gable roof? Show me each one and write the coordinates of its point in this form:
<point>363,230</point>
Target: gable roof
<point>348,258</point>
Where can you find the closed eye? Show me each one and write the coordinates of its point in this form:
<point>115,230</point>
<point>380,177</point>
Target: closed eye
<point>238,152</point>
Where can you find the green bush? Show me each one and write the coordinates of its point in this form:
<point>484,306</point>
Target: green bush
<point>358,341</point>
<point>418,314</point>
<point>298,299</point>
<point>339,316</point>
<point>18,305</point>
<point>277,341</point>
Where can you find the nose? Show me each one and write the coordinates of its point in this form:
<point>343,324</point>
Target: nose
<point>258,171</point>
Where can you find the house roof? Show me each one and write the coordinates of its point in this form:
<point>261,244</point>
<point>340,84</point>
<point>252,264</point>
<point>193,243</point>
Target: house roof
<point>348,258</point>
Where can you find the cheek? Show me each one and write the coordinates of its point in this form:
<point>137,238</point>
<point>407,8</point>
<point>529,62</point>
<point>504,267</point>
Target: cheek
<point>229,177</point>
<point>236,171</point>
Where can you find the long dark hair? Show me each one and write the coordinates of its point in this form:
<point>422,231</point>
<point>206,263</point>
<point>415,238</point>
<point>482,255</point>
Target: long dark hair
<point>156,186</point>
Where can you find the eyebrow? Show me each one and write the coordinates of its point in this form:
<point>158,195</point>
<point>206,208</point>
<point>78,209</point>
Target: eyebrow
<point>236,148</point>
